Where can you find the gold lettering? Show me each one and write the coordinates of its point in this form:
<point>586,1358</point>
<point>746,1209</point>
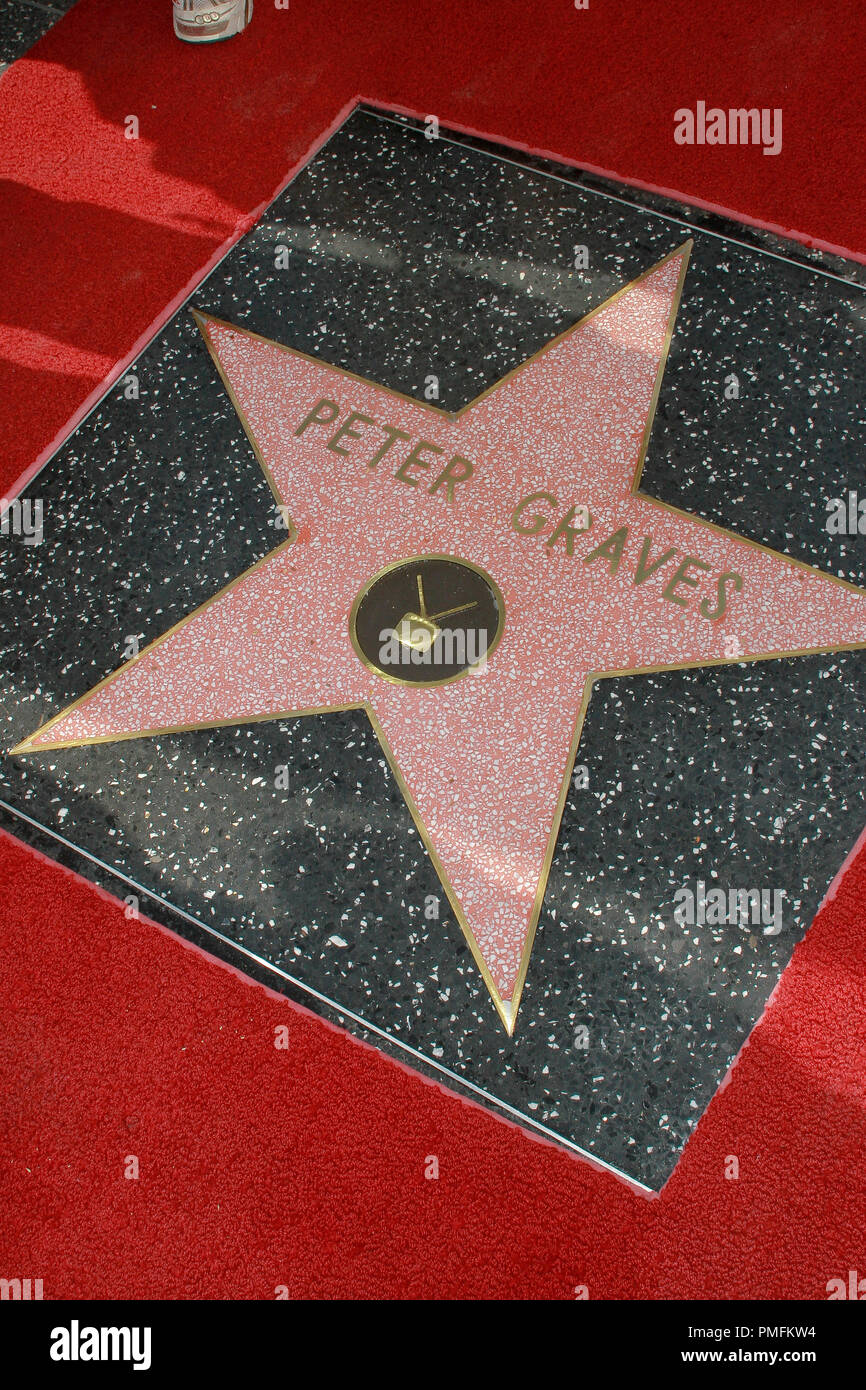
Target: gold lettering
<point>414,460</point>
<point>681,576</point>
<point>332,410</point>
<point>643,569</point>
<point>611,549</point>
<point>457,470</point>
<point>392,435</point>
<point>345,431</point>
<point>736,582</point>
<point>538,521</point>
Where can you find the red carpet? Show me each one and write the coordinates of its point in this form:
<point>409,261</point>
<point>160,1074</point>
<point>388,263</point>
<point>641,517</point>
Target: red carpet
<point>306,1168</point>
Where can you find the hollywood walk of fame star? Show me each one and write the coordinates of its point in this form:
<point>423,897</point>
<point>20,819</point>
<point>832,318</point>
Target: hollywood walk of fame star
<point>461,511</point>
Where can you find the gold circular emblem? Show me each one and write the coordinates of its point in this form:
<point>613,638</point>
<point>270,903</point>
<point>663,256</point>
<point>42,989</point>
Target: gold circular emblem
<point>427,620</point>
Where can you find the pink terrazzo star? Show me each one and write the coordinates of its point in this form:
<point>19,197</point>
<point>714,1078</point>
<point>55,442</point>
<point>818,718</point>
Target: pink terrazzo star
<point>485,761</point>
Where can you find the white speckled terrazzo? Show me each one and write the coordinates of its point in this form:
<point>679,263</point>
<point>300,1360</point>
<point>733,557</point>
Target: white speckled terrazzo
<point>484,758</point>
<point>285,846</point>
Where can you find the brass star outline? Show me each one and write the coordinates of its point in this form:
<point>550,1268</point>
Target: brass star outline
<point>507,1009</point>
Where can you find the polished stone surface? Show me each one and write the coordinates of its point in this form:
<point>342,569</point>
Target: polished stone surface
<point>406,258</point>
<point>21,24</point>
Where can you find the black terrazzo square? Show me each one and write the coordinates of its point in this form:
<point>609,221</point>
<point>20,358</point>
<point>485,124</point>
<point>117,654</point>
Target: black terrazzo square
<point>407,257</point>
